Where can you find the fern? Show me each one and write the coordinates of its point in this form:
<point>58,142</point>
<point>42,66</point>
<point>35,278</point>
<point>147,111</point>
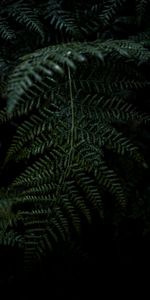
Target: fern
<point>110,11</point>
<point>61,19</point>
<point>66,139</point>
<point>48,61</point>
<point>141,7</point>
<point>25,15</point>
<point>71,150</point>
<point>6,32</point>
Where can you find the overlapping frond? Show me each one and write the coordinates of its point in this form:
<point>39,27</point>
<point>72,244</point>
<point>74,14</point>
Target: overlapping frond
<point>23,14</point>
<point>40,71</point>
<point>71,124</point>
<point>66,136</point>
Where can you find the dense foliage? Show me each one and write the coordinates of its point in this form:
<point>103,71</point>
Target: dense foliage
<point>74,122</point>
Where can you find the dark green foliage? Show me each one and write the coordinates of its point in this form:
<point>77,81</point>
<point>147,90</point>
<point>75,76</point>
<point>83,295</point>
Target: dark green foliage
<point>71,76</point>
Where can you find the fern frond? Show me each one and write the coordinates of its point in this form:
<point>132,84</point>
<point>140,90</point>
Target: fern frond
<point>141,6</point>
<point>6,32</point>
<point>48,61</point>
<point>69,144</point>
<point>61,19</point>
<point>110,10</point>
<point>25,15</point>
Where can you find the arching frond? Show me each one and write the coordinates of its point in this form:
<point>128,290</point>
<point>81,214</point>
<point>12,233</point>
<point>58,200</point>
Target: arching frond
<point>74,80</point>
